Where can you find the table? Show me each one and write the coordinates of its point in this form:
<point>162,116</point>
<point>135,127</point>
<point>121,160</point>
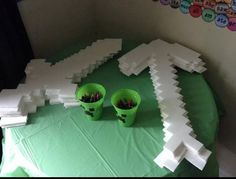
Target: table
<point>62,142</point>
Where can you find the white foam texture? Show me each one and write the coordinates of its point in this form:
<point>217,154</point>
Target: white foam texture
<point>161,57</point>
<point>45,81</point>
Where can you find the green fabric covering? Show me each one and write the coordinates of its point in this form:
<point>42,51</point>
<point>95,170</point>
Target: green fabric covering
<point>219,104</point>
<point>18,172</point>
<point>63,142</point>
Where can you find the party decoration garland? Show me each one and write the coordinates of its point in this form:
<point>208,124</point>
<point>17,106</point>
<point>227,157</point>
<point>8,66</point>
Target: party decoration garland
<point>222,12</point>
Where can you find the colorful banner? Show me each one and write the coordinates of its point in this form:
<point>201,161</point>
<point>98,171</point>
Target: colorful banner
<point>222,12</point>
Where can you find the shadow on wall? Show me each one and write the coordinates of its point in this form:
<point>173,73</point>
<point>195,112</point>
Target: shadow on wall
<point>227,161</point>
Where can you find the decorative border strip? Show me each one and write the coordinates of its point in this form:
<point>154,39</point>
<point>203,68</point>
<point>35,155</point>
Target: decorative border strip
<point>222,12</point>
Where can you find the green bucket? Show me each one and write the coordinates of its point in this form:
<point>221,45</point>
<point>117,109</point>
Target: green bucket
<point>126,116</point>
<point>93,110</point>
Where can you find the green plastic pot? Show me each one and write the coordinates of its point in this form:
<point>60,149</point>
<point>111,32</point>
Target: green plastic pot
<point>126,117</point>
<point>93,110</point>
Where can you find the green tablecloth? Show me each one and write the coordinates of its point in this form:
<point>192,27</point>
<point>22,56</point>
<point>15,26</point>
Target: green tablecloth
<point>62,142</point>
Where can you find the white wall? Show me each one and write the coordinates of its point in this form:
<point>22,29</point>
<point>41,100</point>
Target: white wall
<point>53,25</point>
<point>147,20</point>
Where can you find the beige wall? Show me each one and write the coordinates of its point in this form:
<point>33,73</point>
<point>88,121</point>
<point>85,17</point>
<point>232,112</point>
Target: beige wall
<point>146,20</point>
<point>54,24</point>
